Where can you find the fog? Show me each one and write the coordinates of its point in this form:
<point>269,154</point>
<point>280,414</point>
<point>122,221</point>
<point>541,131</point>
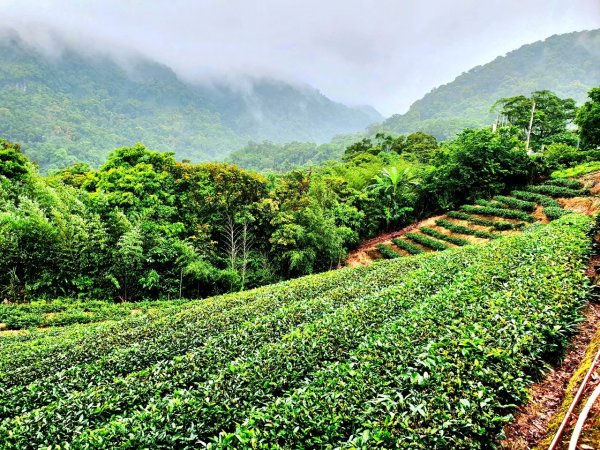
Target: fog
<point>383,53</point>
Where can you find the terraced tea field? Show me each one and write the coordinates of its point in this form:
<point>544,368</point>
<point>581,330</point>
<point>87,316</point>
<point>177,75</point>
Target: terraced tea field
<point>482,222</point>
<point>427,352</point>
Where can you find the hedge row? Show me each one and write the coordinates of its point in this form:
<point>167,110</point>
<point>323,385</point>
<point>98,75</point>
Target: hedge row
<point>426,241</point>
<point>455,228</point>
<point>498,212</point>
<point>496,224</point>
<point>387,252</point>
<point>556,191</point>
<point>159,341</point>
<point>444,237</point>
<point>566,182</point>
<point>63,312</point>
<point>242,366</point>
<point>408,246</point>
<point>540,199</point>
<point>553,213</point>
<point>515,203</point>
<point>449,371</point>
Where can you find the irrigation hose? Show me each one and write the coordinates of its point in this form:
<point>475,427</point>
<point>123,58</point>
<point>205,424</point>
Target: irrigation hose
<point>584,413</point>
<point>574,403</point>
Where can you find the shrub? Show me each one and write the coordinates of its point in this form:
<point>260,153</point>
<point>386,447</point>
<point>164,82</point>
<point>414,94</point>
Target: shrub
<point>387,252</point>
<point>455,228</point>
<point>408,246</point>
<point>565,182</point>
<point>540,199</point>
<point>426,241</point>
<point>553,213</point>
<point>496,224</point>
<point>444,237</point>
<point>515,203</point>
<point>555,191</point>
<point>577,171</point>
<point>498,212</point>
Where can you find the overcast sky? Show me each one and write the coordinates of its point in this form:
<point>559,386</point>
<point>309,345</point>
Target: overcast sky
<point>384,53</point>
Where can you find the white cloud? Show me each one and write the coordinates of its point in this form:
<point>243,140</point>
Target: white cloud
<point>385,53</point>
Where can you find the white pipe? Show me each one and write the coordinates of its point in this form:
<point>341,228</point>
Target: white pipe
<point>584,413</point>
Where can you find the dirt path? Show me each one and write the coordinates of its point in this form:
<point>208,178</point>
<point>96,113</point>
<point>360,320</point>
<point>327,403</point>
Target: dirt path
<point>367,251</point>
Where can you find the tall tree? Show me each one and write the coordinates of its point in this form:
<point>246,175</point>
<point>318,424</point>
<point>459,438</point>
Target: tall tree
<point>588,120</point>
<point>541,117</point>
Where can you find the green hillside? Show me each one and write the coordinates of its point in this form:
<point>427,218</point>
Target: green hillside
<point>567,64</point>
<point>72,108</point>
<point>427,352</point>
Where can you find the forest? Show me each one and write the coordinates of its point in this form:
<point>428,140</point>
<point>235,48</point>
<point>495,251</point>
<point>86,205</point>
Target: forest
<point>144,226</point>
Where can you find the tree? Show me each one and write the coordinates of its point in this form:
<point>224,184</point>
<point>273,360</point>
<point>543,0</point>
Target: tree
<point>540,117</point>
<point>477,163</point>
<point>588,120</point>
<point>395,189</point>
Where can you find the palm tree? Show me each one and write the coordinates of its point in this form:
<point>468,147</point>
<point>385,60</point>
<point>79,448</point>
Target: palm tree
<point>396,189</point>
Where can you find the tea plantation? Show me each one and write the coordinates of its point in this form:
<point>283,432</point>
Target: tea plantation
<point>431,351</point>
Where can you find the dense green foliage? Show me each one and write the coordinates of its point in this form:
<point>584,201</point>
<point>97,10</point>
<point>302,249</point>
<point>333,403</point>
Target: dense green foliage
<point>588,120</point>
<point>576,171</point>
<point>556,191</point>
<point>444,341</point>
<point>460,229</point>
<point>426,241</point>
<point>495,224</point>
<point>388,252</point>
<point>444,237</point>
<point>540,199</point>
<point>76,108</point>
<point>498,212</point>
<point>515,203</point>
<point>408,246</point>
<point>542,118</point>
<point>566,64</point>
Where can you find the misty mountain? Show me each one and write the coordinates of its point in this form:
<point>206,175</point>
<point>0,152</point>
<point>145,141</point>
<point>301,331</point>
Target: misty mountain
<point>567,64</point>
<point>74,107</point>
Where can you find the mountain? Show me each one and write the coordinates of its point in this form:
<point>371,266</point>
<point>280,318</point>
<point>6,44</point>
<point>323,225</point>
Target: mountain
<point>77,107</point>
<point>568,64</point>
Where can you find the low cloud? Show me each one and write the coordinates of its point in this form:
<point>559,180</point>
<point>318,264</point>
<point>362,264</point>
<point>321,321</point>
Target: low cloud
<point>386,53</point>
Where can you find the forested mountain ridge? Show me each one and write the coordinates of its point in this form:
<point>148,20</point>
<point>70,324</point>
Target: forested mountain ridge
<point>568,64</point>
<point>77,107</point>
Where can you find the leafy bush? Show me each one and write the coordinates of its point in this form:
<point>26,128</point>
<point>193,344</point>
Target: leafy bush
<point>577,171</point>
<point>455,228</point>
<point>556,191</point>
<point>388,252</point>
<point>498,212</point>
<point>554,213</point>
<point>408,246</point>
<point>515,203</point>
<point>565,182</point>
<point>444,237</point>
<point>496,224</point>
<point>540,199</point>
<point>427,241</point>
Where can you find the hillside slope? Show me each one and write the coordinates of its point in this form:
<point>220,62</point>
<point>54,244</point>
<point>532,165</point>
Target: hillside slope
<point>425,352</point>
<point>567,64</point>
<point>75,107</point>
